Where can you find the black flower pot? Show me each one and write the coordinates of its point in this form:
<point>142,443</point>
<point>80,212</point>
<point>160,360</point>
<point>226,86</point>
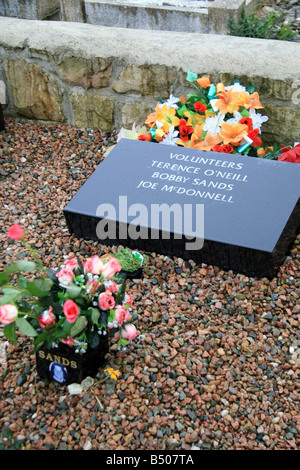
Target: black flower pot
<point>63,365</point>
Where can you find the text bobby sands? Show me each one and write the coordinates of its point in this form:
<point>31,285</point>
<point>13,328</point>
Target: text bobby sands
<point>154,459</point>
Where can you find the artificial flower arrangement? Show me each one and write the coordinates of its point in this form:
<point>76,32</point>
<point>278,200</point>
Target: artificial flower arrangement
<point>74,305</point>
<point>215,117</point>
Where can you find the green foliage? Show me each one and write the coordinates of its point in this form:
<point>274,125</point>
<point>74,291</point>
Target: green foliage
<point>270,27</point>
<point>127,260</point>
<point>9,442</point>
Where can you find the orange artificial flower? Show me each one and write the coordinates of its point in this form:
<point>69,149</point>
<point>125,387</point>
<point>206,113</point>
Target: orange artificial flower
<point>152,117</point>
<point>229,101</point>
<point>233,133</point>
<point>261,152</point>
<point>252,101</point>
<point>208,142</point>
<point>204,82</point>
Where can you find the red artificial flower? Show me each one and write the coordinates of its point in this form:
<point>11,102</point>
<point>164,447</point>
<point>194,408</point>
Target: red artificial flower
<point>253,135</point>
<point>200,107</point>
<point>145,137</point>
<point>285,149</point>
<point>16,232</point>
<point>69,341</point>
<point>248,121</point>
<point>184,130</point>
<point>223,148</point>
<point>292,155</point>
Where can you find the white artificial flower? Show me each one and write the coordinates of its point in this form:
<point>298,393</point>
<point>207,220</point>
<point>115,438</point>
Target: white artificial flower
<point>171,102</point>
<point>236,87</point>
<point>235,119</point>
<point>257,119</point>
<point>213,124</point>
<point>213,105</point>
<point>171,137</point>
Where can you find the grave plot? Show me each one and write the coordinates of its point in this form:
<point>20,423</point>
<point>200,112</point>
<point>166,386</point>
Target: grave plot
<point>233,211</point>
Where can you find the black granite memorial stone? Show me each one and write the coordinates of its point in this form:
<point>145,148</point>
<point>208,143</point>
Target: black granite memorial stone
<point>232,211</point>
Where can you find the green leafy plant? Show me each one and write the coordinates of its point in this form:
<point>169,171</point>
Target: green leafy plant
<point>271,26</point>
<point>130,260</point>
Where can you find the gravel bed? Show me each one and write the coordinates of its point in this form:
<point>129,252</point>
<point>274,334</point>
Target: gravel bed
<point>216,363</point>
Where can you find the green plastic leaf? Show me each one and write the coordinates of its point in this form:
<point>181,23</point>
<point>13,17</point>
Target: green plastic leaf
<point>73,291</point>
<point>191,76</point>
<point>250,89</point>
<point>4,278</point>
<point>22,266</point>
<point>94,314</point>
<point>245,113</point>
<point>182,110</point>
<point>10,295</point>
<point>10,333</point>
<point>25,327</point>
<point>39,287</point>
<point>78,326</point>
<point>43,284</point>
<point>52,275</point>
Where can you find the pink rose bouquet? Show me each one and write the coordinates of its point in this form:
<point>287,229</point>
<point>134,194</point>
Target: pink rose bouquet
<point>74,304</point>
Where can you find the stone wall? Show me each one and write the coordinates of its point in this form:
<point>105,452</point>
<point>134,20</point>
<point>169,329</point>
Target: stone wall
<point>91,76</point>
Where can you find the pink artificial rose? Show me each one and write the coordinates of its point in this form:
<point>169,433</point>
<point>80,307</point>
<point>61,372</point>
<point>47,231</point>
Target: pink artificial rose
<point>121,314</point>
<point>129,332</point>
<point>71,263</point>
<point>16,232</point>
<point>111,286</point>
<point>46,318</point>
<point>106,300</point>
<point>65,277</point>
<point>128,299</point>
<point>111,267</point>
<point>71,310</point>
<point>93,265</point>
<point>93,285</point>
<point>69,341</point>
<point>8,314</point>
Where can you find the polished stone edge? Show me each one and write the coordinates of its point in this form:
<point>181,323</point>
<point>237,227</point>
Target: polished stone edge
<point>243,260</point>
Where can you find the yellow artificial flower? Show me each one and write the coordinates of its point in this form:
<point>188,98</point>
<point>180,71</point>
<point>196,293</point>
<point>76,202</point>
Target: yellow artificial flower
<point>113,373</point>
<point>167,117</point>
